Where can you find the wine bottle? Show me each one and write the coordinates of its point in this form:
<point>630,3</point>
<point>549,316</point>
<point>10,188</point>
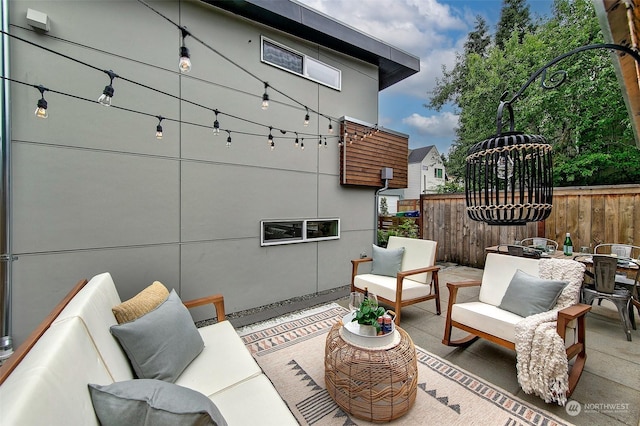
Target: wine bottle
<point>568,245</point>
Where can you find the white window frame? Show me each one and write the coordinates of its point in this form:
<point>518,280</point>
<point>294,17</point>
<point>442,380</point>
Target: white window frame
<point>305,228</point>
<point>307,62</point>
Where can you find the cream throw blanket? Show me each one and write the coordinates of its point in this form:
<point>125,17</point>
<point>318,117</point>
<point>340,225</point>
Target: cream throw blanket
<point>541,355</point>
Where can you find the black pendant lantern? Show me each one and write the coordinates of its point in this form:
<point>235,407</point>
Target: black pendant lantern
<point>509,176</point>
<point>509,179</point>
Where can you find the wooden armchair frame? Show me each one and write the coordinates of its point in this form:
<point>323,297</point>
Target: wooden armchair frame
<point>399,303</point>
<point>576,312</point>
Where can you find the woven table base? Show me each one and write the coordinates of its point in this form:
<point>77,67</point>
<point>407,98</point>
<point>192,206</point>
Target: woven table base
<point>373,385</point>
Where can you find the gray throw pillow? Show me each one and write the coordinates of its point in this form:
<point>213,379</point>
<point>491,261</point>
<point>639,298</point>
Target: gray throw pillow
<point>386,261</point>
<point>161,343</point>
<point>528,295</point>
<point>154,403</point>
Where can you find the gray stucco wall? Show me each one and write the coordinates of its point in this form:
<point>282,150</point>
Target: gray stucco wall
<point>94,191</point>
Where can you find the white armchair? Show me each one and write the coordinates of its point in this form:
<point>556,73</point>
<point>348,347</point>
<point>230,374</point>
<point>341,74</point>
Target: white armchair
<point>416,281</point>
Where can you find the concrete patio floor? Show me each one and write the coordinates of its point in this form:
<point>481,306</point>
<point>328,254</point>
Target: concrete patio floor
<point>608,392</point>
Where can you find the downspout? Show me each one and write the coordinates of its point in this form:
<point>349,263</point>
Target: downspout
<point>386,173</point>
<point>375,215</point>
<point>6,342</point>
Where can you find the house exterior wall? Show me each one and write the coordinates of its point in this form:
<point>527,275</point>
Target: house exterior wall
<point>93,191</point>
<point>422,176</point>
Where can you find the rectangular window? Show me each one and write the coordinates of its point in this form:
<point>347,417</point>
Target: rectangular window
<point>437,173</point>
<point>305,66</point>
<point>298,231</point>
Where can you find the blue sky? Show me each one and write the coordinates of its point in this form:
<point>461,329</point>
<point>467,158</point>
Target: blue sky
<point>433,30</point>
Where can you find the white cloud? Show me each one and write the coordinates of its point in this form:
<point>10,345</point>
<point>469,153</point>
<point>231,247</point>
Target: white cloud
<point>443,124</point>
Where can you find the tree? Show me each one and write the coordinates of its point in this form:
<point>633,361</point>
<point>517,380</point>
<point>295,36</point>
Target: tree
<point>514,18</point>
<point>585,118</point>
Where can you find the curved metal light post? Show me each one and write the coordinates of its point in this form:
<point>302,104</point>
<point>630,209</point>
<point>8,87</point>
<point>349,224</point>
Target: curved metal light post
<point>509,176</point>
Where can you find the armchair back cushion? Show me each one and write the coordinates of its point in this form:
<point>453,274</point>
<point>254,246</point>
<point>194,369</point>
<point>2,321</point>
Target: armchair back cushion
<point>417,254</point>
<point>498,272</point>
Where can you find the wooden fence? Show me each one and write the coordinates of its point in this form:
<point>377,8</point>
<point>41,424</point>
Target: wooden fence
<point>592,215</point>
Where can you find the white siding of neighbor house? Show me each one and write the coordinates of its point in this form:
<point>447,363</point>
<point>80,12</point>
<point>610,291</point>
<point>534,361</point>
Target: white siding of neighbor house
<point>421,179</point>
<point>93,191</point>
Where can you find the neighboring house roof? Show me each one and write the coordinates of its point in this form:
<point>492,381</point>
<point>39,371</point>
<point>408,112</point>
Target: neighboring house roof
<point>418,154</point>
<point>299,20</point>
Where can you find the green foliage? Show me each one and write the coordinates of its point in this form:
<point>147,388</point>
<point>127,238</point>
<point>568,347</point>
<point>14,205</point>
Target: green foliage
<point>514,18</point>
<point>368,314</point>
<point>450,187</point>
<point>407,228</point>
<point>384,207</point>
<point>585,118</point>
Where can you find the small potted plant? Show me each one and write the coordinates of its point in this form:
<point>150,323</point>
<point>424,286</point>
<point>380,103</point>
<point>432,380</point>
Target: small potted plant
<point>367,316</point>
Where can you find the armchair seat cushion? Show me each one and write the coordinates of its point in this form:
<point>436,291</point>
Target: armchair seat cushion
<point>494,320</point>
<point>385,287</point>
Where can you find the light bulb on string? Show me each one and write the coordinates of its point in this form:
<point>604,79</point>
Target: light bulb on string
<point>265,97</point>
<point>228,139</point>
<point>270,137</point>
<point>107,93</point>
<point>319,142</point>
<point>184,64</point>
<point>306,118</point>
<point>330,127</point>
<point>302,144</point>
<point>297,142</point>
<point>159,127</point>
<point>325,142</point>
<point>41,108</point>
<point>216,125</point>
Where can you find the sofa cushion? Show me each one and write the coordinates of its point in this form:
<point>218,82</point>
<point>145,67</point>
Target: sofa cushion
<point>248,401</point>
<point>161,343</point>
<point>142,303</point>
<point>224,361</point>
<point>93,305</point>
<point>529,295</point>
<point>49,386</point>
<point>386,261</point>
<point>154,403</point>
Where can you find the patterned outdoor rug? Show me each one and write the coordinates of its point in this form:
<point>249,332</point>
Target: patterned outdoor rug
<point>290,351</point>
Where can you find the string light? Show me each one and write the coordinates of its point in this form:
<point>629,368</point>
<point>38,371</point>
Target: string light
<point>228,139</point>
<point>306,118</point>
<point>325,142</point>
<point>302,144</point>
<point>107,93</point>
<point>41,109</point>
<point>184,64</point>
<point>159,127</point>
<point>330,127</point>
<point>297,143</point>
<point>265,97</point>
<point>270,137</point>
<point>216,124</point>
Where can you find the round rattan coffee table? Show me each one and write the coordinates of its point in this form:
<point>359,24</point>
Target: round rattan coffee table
<point>377,385</point>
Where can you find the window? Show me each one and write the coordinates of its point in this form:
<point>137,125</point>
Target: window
<point>305,66</point>
<point>298,231</point>
<point>437,173</point>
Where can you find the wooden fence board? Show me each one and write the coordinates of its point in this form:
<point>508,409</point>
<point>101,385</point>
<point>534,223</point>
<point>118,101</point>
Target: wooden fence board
<point>591,214</point>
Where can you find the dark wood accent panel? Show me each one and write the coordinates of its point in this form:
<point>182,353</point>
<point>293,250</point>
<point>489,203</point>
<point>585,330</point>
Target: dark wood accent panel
<point>362,158</point>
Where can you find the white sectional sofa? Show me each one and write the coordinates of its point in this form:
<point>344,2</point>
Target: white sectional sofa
<point>48,383</point>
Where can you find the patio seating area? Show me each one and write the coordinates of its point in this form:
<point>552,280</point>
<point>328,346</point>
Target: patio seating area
<point>609,388</point>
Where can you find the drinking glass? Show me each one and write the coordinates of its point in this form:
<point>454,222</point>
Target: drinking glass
<point>355,300</point>
<point>373,300</point>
